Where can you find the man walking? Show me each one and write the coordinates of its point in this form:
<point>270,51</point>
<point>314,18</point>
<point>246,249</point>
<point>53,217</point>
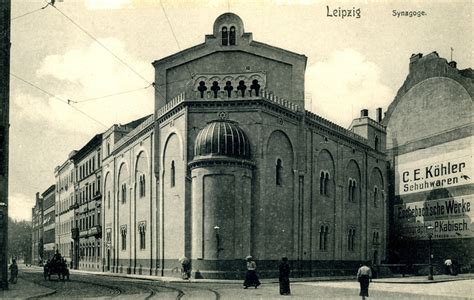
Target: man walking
<point>364,274</point>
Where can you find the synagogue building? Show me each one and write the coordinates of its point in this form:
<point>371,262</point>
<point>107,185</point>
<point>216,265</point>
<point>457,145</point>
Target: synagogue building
<point>231,164</point>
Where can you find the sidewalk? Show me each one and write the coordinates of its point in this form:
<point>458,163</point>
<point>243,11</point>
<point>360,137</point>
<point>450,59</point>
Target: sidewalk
<point>400,280</point>
<point>424,279</point>
<point>25,289</point>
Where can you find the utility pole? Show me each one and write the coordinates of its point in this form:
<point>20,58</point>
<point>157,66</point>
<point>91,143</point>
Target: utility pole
<point>5,17</point>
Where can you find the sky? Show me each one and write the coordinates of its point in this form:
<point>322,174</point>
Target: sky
<point>83,50</point>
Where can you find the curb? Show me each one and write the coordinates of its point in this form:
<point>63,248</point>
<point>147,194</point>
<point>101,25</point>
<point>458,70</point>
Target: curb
<point>422,282</point>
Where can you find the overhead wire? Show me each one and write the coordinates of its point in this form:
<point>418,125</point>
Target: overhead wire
<point>26,14</point>
<point>68,101</point>
<point>112,95</point>
<point>102,45</point>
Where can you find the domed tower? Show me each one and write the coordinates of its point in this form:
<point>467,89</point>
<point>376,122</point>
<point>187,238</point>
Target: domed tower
<point>221,174</point>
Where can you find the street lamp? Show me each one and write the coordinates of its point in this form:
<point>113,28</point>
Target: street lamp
<point>218,240</point>
<point>429,230</point>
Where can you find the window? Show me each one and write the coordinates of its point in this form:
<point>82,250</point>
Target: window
<point>376,142</point>
<point>375,196</point>
<point>321,183</point>
<point>232,36</point>
<point>354,185</point>
<point>351,192</point>
<point>108,199</point>
<point>351,239</point>
<point>142,231</point>
<point>225,36</point>
<point>123,231</point>
<point>124,193</point>
<point>323,237</point>
<point>278,172</point>
<point>215,88</point>
<point>108,148</point>
<point>255,86</point>
<point>173,174</point>
<point>324,183</point>
<point>141,186</point>
<point>202,88</point>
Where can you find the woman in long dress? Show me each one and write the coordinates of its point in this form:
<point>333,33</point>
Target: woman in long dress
<point>251,278</point>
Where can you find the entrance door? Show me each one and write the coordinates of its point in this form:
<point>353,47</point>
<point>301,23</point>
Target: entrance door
<point>108,259</point>
<point>376,258</point>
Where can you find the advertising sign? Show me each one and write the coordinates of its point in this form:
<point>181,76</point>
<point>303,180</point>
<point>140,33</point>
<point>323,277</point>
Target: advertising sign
<point>441,166</point>
<point>451,218</point>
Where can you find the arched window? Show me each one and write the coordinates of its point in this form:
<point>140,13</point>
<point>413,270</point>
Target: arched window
<point>232,35</point>
<point>215,88</point>
<point>141,185</point>
<point>376,143</point>
<point>326,184</point>
<point>326,231</point>
<point>278,172</point>
<point>375,196</point>
<point>225,36</point>
<point>124,192</point>
<point>172,174</point>
<point>321,183</point>
<point>351,239</point>
<point>202,88</point>
<point>323,237</point>
<point>349,191</point>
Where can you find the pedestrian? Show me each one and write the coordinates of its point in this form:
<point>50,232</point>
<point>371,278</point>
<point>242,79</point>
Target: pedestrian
<point>185,267</point>
<point>13,271</point>
<point>251,278</point>
<point>284,277</point>
<point>448,266</point>
<point>364,275</point>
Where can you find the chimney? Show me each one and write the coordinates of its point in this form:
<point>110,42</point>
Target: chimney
<point>453,64</point>
<point>379,114</point>
<point>364,113</point>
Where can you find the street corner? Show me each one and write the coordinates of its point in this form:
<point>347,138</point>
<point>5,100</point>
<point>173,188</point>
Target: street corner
<point>25,289</point>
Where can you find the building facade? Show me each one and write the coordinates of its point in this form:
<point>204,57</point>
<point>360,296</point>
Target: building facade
<point>37,254</point>
<point>240,168</point>
<point>87,230</point>
<point>64,209</point>
<point>429,143</point>
<point>129,205</point>
<point>49,218</point>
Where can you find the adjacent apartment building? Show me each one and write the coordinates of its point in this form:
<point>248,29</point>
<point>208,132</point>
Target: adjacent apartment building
<point>49,225</point>
<point>430,145</point>
<point>87,230</point>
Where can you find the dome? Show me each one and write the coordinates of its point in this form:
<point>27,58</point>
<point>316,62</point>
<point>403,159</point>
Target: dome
<point>222,138</point>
